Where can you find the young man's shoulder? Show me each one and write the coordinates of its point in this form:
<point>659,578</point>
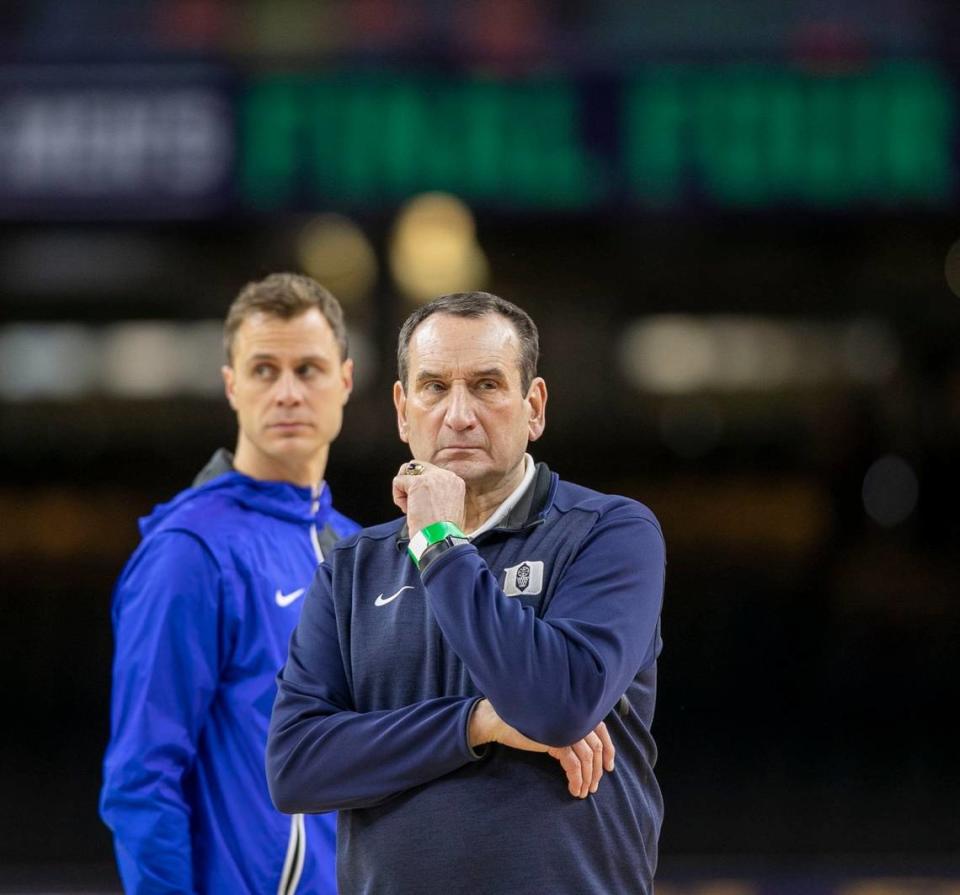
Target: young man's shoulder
<point>199,510</point>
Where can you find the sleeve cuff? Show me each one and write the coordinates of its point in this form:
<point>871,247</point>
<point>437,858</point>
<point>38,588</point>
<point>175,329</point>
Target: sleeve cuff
<point>435,559</point>
<point>481,751</point>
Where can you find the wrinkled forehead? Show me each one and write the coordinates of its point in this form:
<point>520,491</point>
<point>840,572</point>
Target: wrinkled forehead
<point>446,343</point>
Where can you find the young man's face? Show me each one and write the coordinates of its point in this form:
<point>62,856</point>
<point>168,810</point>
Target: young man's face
<point>288,386</point>
<point>463,406</point>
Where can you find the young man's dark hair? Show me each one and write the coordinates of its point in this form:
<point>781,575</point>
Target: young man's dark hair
<point>284,295</point>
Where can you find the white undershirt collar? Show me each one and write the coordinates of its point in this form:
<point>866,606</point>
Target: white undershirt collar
<point>501,512</point>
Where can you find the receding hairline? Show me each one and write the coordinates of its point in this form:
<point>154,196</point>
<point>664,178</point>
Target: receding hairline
<point>513,334</point>
<point>473,306</point>
<point>480,315</point>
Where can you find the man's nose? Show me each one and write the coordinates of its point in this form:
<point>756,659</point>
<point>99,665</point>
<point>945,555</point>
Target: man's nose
<point>288,389</point>
<point>460,413</point>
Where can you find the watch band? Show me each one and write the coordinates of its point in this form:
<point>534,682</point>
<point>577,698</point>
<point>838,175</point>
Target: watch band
<point>435,551</point>
<point>430,535</point>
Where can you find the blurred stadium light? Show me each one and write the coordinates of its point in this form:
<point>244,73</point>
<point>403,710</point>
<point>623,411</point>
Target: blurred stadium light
<point>434,248</point>
<point>678,354</point>
<point>136,359</point>
<point>335,250</point>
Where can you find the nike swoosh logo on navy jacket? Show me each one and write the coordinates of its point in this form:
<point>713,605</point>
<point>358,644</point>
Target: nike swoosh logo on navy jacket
<point>201,634</point>
<point>379,698</point>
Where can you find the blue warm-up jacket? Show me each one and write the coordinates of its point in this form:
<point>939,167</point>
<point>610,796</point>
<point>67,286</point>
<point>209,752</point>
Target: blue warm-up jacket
<point>202,616</point>
<point>553,615</point>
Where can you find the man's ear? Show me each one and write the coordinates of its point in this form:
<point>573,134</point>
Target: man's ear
<point>537,402</point>
<point>229,384</point>
<point>346,374</point>
<point>400,402</point>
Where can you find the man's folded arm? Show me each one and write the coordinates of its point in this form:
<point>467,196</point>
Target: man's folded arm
<point>165,673</point>
<point>555,678</point>
<point>322,755</point>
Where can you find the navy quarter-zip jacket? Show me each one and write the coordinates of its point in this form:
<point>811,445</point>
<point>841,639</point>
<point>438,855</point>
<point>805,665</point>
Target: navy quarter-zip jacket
<point>385,667</point>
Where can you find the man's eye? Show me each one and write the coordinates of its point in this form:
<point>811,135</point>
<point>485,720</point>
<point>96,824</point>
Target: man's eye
<point>305,371</point>
<point>488,384</point>
<point>263,371</point>
<point>433,387</point>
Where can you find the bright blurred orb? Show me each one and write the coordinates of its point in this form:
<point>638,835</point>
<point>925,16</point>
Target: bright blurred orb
<point>144,359</point>
<point>890,491</point>
<point>335,251</point>
<point>669,354</point>
<point>433,248</point>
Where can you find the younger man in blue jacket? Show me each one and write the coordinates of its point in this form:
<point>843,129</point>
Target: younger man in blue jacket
<point>204,610</point>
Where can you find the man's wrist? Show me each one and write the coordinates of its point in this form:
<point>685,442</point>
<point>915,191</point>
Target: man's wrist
<point>434,539</point>
<point>479,727</point>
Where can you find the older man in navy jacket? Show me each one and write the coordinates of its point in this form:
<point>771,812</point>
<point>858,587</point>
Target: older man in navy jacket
<point>446,662</point>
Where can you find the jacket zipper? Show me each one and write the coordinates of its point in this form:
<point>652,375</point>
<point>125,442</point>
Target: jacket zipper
<point>293,862</point>
<point>297,843</point>
<point>314,538</point>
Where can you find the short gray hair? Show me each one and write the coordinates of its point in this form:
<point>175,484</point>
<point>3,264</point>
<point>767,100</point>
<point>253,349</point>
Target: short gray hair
<point>475,304</point>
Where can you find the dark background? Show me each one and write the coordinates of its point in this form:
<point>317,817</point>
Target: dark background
<point>813,596</point>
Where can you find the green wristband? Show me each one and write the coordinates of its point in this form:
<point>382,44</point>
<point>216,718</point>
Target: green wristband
<point>430,535</point>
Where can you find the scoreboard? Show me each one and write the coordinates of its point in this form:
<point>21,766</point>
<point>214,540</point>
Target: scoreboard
<point>669,136</point>
<point>166,141</point>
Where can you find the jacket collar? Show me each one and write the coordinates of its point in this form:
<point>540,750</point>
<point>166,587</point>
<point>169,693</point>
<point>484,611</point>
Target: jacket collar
<point>283,500</point>
<point>218,464</point>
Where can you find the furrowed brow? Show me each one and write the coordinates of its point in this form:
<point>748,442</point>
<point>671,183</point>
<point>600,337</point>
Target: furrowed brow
<point>489,373</point>
<point>486,373</point>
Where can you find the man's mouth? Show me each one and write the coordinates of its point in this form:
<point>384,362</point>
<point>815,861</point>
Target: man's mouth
<point>289,425</point>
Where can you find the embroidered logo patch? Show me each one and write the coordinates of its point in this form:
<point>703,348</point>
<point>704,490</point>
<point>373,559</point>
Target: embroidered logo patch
<point>525,578</point>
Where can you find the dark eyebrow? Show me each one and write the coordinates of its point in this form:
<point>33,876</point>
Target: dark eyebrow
<point>311,358</point>
<point>489,373</point>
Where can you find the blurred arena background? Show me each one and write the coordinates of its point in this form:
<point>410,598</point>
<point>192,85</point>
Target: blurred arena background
<point>736,224</point>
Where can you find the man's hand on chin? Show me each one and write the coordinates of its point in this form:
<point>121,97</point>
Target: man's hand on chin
<point>426,494</point>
